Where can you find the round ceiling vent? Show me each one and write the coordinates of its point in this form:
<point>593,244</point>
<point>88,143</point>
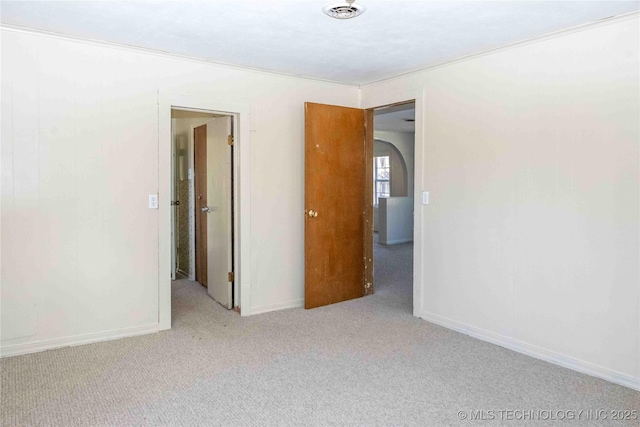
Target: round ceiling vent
<point>345,10</point>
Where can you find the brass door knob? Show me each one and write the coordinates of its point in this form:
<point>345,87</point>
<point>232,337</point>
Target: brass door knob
<point>312,213</point>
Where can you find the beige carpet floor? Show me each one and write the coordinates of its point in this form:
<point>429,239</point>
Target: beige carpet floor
<point>365,362</point>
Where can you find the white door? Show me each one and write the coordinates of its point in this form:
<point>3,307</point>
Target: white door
<point>219,260</point>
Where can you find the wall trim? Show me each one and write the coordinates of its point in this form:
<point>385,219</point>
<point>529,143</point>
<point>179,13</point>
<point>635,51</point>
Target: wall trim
<point>298,303</point>
<point>535,351</point>
<point>38,346</point>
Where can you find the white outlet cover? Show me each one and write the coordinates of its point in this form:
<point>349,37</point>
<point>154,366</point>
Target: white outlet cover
<point>425,197</point>
<point>153,201</point>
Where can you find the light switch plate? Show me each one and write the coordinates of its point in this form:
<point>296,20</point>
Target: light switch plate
<point>425,197</point>
<point>153,201</point>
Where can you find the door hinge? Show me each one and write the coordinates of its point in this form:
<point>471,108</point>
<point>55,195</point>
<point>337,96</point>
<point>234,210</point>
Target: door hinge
<point>230,275</point>
<point>230,139</point>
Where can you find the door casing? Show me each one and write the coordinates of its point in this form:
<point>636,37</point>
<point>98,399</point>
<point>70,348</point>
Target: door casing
<point>242,200</point>
<point>379,99</point>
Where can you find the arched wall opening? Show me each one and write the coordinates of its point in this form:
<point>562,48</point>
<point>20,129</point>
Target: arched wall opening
<point>399,177</point>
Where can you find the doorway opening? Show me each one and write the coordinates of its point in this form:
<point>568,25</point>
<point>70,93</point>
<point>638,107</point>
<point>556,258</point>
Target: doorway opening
<point>393,201</point>
<point>203,202</point>
<point>344,177</point>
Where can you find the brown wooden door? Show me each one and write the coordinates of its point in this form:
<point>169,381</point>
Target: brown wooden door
<point>338,204</point>
<point>200,172</point>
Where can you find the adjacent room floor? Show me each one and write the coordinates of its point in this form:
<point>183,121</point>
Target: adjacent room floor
<point>363,362</point>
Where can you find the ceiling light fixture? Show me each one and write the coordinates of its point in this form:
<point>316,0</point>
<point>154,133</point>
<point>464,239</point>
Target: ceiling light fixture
<point>344,10</point>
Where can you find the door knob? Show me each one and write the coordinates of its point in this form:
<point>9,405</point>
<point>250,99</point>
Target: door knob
<point>312,213</point>
<point>206,209</point>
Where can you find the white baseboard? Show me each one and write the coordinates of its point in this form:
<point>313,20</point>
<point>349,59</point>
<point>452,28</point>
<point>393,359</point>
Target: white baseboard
<point>8,350</point>
<point>535,351</point>
<point>395,242</point>
<point>267,308</point>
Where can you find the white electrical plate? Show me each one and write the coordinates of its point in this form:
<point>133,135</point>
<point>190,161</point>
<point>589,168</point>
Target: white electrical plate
<point>425,197</point>
<point>153,201</point>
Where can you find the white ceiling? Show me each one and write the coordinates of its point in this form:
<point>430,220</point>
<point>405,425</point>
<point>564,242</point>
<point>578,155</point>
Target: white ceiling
<point>392,119</point>
<point>294,37</point>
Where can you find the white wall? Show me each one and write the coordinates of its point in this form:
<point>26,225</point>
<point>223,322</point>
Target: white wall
<point>531,237</point>
<point>79,157</point>
<point>530,153</point>
<point>396,220</point>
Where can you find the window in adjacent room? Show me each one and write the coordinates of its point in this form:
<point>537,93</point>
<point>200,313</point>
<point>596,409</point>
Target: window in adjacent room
<point>381,174</point>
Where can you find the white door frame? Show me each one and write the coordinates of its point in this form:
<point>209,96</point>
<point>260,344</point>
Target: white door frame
<point>381,98</point>
<point>242,192</point>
